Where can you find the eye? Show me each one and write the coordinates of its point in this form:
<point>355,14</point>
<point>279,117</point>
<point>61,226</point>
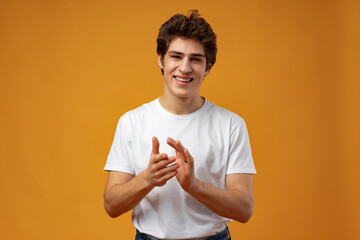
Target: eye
<point>196,59</point>
<point>176,57</point>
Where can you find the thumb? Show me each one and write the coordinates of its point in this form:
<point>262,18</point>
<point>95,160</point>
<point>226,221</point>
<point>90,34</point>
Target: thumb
<point>155,145</point>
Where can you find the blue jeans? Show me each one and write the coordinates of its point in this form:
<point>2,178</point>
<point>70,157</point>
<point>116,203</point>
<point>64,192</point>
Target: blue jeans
<point>223,235</point>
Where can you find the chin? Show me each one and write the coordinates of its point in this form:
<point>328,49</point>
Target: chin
<point>182,94</point>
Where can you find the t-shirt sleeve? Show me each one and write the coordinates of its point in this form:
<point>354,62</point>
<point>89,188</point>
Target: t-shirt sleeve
<point>240,157</point>
<point>119,158</point>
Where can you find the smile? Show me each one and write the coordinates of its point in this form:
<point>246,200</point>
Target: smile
<point>184,79</point>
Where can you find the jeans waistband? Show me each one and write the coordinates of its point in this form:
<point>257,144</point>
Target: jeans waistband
<point>224,234</point>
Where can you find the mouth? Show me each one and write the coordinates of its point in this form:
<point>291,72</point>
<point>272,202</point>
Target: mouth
<point>183,79</point>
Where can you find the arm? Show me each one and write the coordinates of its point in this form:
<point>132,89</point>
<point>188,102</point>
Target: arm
<point>236,202</point>
<point>124,191</point>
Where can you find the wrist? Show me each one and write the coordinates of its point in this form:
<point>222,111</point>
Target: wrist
<point>144,181</point>
<point>194,187</point>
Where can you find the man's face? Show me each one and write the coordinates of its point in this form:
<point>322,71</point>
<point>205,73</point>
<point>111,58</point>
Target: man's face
<point>184,67</point>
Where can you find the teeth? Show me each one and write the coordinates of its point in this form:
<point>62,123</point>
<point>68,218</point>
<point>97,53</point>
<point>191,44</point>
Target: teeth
<point>183,79</point>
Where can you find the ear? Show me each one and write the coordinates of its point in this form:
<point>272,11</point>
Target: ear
<point>208,71</point>
<point>160,61</point>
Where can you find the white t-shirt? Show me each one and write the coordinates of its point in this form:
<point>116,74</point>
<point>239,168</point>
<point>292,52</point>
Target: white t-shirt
<point>219,143</point>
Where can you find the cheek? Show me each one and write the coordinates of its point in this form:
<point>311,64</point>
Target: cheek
<point>171,66</point>
<point>200,71</point>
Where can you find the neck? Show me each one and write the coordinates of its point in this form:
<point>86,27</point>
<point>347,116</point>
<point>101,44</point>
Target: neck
<point>181,106</point>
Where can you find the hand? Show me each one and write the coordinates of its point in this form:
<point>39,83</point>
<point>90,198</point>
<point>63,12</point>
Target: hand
<point>185,174</point>
<point>158,172</point>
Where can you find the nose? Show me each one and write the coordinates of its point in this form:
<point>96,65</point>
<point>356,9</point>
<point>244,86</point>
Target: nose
<point>185,66</point>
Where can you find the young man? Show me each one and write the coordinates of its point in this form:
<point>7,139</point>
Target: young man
<point>183,164</point>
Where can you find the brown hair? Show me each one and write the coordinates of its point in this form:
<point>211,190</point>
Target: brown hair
<point>191,26</point>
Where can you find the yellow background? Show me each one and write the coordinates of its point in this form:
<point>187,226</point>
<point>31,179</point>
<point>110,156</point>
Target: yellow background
<point>69,69</point>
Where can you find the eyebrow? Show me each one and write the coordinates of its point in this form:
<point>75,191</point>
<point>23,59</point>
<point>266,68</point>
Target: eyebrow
<point>193,54</point>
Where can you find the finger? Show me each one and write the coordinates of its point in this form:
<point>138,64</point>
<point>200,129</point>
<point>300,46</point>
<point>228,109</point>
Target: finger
<point>188,156</point>
<point>168,169</point>
<point>180,148</point>
<point>171,159</point>
<point>171,142</point>
<point>178,154</point>
<point>155,145</point>
<point>168,176</point>
<point>176,145</point>
<point>159,175</point>
<point>163,163</point>
<point>159,157</point>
